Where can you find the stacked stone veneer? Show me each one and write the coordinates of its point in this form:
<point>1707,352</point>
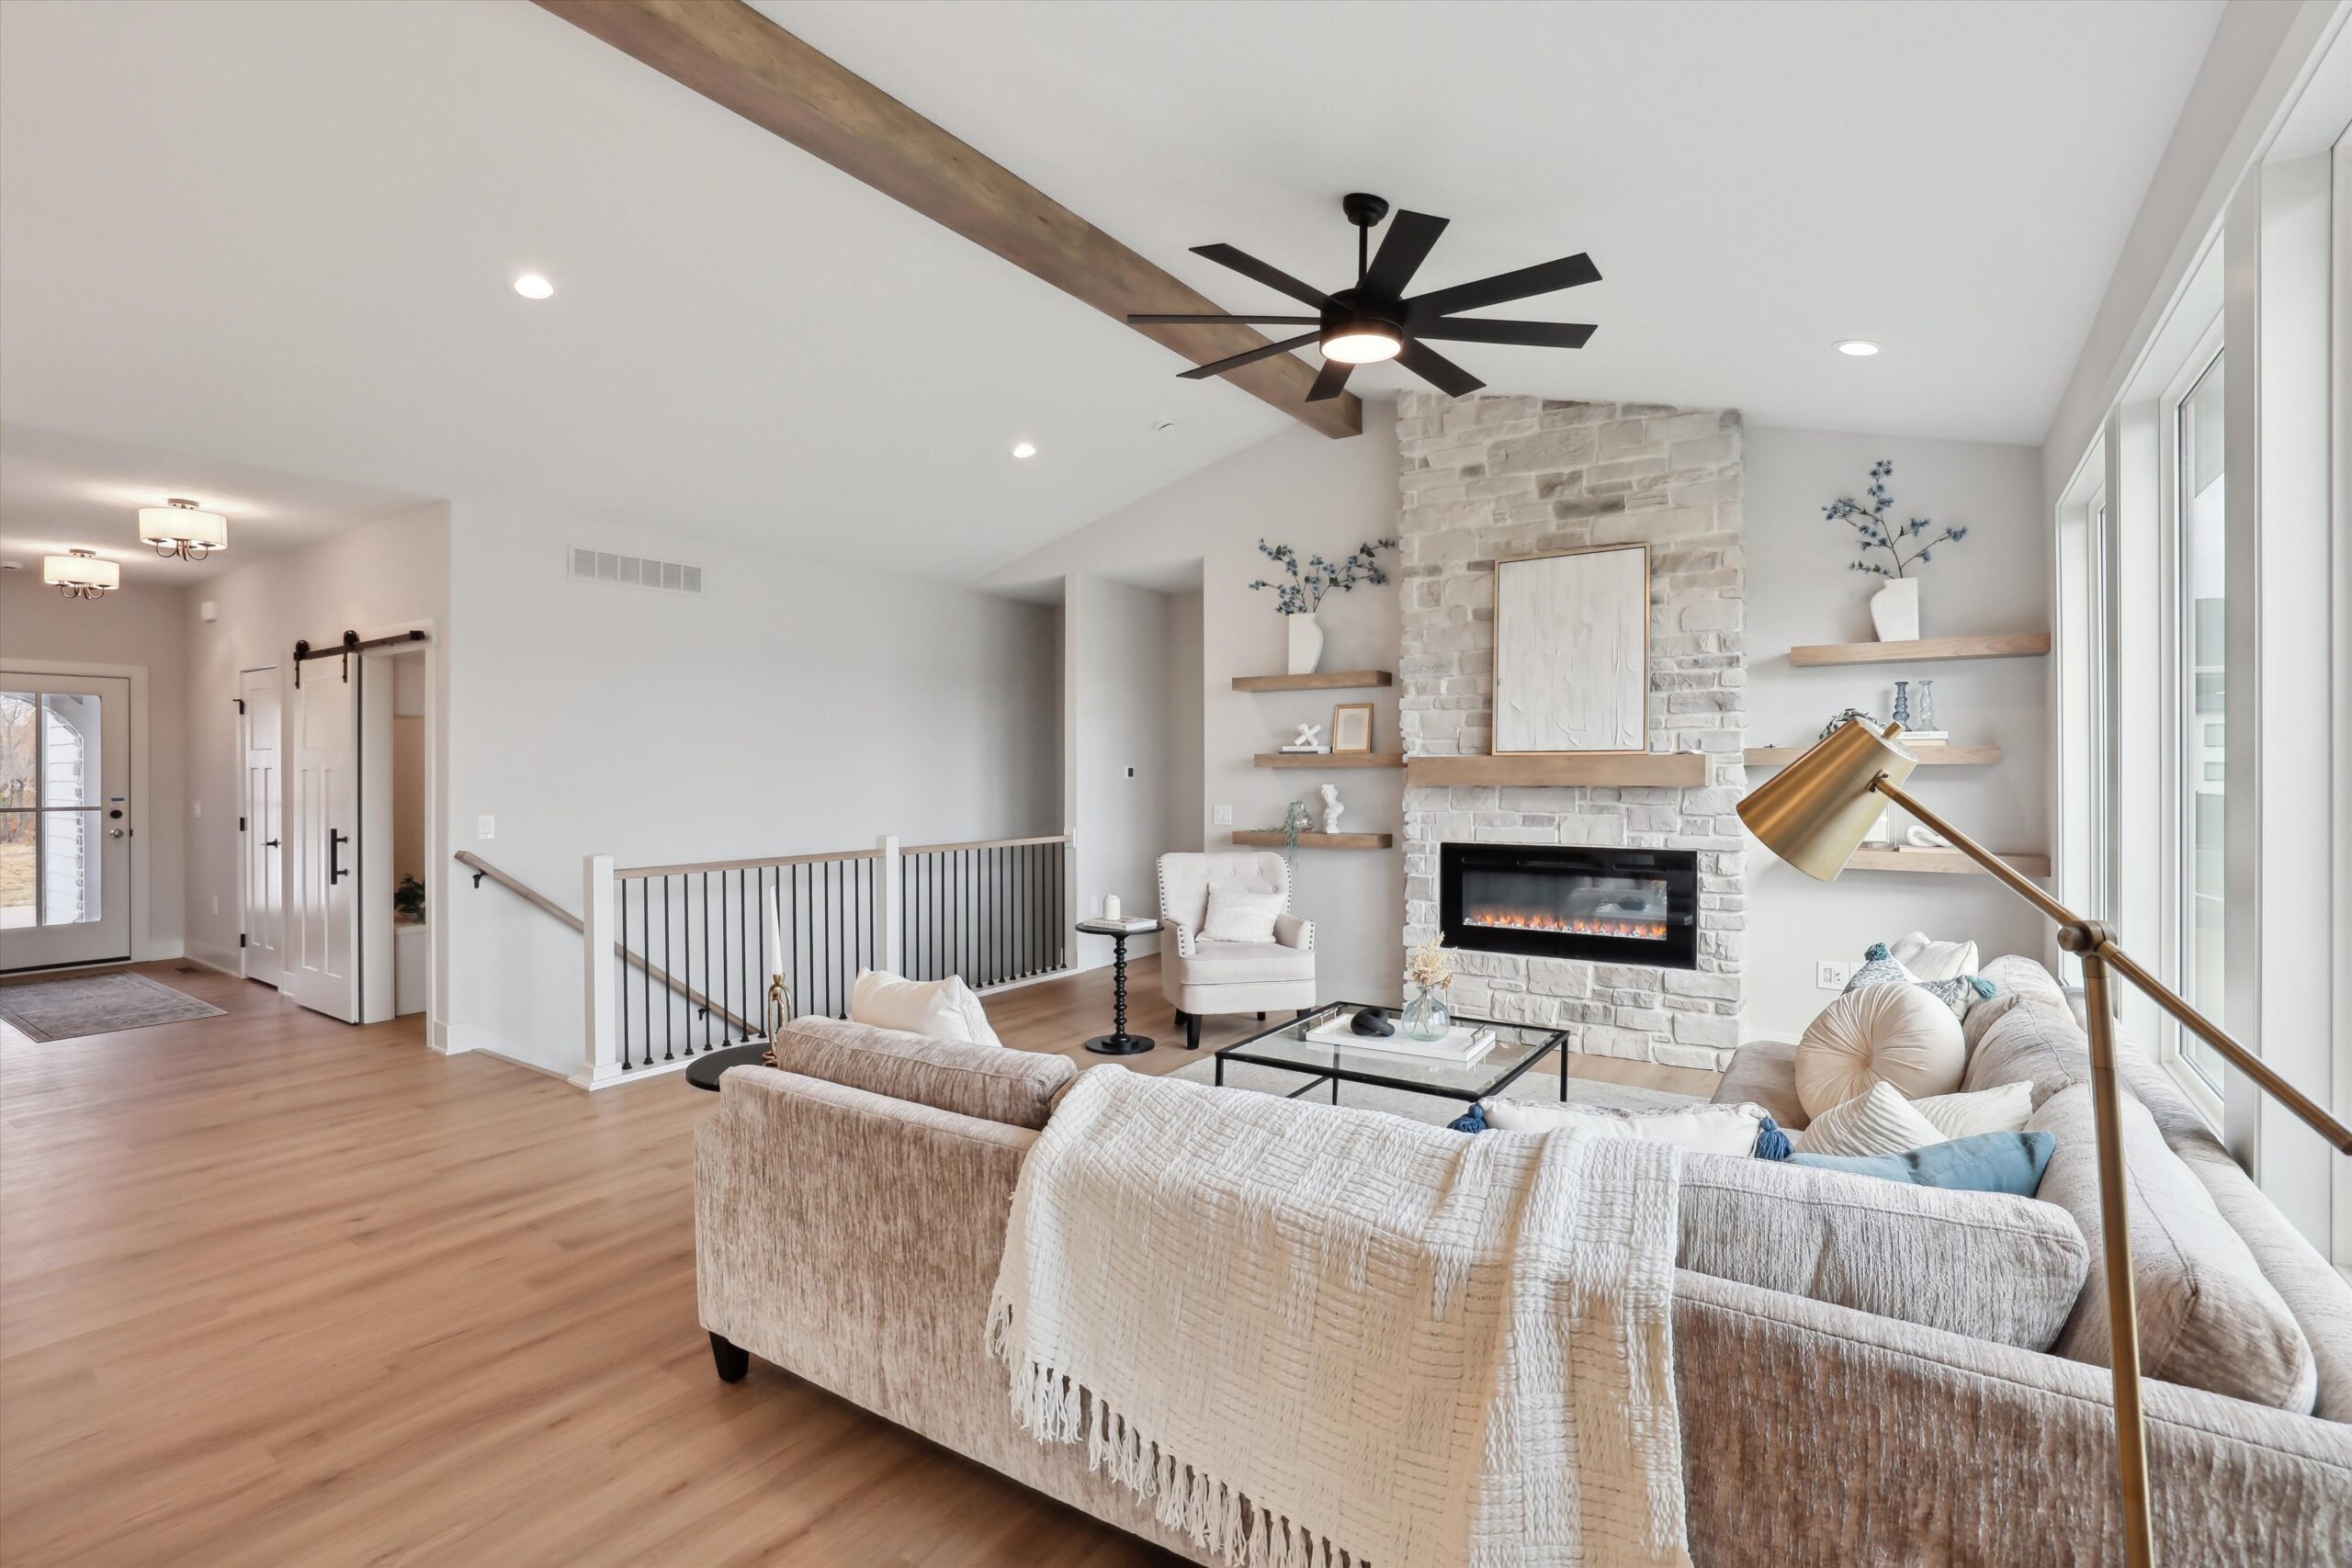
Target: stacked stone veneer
<point>1487,476</point>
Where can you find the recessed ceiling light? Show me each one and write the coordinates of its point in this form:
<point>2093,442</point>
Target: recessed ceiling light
<point>1858,347</point>
<point>531,286</point>
<point>1024,449</point>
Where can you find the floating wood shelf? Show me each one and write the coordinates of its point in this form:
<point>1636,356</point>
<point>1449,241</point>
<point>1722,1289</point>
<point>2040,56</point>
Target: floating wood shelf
<point>1945,860</point>
<point>1272,839</point>
<point>1930,756</point>
<point>1325,680</point>
<point>1330,759</point>
<point>2015,645</point>
<point>1661,769</point>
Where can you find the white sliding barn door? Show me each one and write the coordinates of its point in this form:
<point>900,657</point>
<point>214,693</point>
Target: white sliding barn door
<point>320,855</point>
<point>263,836</point>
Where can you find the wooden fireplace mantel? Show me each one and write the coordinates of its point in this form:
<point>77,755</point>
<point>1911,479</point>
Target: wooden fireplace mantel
<point>1659,768</point>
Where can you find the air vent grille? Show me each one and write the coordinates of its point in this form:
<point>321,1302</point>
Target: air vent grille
<point>635,572</point>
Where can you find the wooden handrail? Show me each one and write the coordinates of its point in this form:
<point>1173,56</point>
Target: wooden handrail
<point>481,868</point>
<point>742,865</point>
<point>983,845</point>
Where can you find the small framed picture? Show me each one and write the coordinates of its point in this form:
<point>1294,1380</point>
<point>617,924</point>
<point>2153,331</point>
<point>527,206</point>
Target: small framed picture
<point>1352,727</point>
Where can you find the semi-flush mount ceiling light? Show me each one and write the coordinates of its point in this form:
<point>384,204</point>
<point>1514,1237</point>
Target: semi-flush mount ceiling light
<point>1858,348</point>
<point>1024,449</point>
<point>79,574</point>
<point>532,286</point>
<point>182,529</point>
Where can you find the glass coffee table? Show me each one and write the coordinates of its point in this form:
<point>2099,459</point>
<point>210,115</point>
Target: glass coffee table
<point>1518,1047</point>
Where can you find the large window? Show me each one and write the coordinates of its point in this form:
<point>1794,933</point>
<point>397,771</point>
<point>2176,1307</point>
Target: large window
<point>2201,629</point>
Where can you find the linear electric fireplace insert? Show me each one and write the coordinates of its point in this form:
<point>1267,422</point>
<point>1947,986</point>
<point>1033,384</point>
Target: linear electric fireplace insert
<point>1612,905</point>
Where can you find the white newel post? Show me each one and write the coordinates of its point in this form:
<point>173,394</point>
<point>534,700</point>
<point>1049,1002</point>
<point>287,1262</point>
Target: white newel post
<point>1068,936</point>
<point>887,923</point>
<point>602,1055</point>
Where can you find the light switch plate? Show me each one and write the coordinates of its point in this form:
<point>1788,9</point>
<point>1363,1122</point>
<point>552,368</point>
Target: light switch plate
<point>1829,976</point>
<point>485,826</point>
<point>1221,815</point>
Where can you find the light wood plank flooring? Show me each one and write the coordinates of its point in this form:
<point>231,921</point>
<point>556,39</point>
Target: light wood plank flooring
<point>276,1290</point>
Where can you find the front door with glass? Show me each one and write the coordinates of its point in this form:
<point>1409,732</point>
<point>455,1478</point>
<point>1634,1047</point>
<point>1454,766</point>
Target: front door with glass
<point>65,820</point>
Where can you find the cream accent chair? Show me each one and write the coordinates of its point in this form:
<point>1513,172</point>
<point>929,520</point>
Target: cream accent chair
<point>1204,977</point>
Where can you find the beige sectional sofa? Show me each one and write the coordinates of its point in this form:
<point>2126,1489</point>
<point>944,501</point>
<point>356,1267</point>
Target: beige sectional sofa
<point>1857,1362</point>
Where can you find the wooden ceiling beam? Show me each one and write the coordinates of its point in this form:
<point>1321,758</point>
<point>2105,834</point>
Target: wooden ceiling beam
<point>734,56</point>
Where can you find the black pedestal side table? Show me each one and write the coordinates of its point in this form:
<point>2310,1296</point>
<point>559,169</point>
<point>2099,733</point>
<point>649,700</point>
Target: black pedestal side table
<point>1118,1042</point>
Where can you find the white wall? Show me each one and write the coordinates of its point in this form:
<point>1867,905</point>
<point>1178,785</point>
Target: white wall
<point>1799,591</point>
<point>384,577</point>
<point>1187,819</point>
<point>143,627</point>
<point>1114,666</point>
<point>1317,495</point>
<point>788,708</point>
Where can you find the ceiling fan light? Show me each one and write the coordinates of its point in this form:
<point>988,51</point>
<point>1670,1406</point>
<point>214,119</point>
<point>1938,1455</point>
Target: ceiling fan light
<point>1362,342</point>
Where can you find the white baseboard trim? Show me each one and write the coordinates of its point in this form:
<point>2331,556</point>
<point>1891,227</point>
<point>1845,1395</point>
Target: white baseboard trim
<point>1030,980</point>
<point>221,960</point>
<point>471,1038</point>
<point>608,1074</point>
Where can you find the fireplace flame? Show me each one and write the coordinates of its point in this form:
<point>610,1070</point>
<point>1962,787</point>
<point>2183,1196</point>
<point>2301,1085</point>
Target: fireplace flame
<point>1577,925</point>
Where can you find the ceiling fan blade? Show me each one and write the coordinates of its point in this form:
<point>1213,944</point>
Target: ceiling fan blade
<point>1273,277</point>
<point>1534,334</point>
<point>1402,251</point>
<point>1330,381</point>
<point>1437,369</point>
<point>1542,278</point>
<point>1210,320</point>
<point>1235,362</point>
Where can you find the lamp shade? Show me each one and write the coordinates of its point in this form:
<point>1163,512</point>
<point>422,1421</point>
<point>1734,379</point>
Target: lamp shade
<point>1819,808</point>
<point>183,522</point>
<point>80,570</point>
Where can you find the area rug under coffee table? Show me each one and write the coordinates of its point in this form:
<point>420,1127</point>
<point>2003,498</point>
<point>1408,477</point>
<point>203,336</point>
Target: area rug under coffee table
<point>97,1004</point>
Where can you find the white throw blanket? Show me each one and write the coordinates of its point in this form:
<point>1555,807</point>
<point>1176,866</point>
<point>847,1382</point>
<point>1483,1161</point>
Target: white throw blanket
<point>1316,1336</point>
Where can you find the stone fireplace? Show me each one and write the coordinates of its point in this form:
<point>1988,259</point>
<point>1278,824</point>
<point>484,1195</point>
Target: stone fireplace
<point>1485,477</point>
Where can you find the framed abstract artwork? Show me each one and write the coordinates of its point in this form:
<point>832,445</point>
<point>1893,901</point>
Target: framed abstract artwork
<point>1572,651</point>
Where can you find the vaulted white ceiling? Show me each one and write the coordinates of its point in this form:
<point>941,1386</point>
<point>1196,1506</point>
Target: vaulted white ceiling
<point>283,236</point>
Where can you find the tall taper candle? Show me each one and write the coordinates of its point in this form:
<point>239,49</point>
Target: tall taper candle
<point>776,936</point>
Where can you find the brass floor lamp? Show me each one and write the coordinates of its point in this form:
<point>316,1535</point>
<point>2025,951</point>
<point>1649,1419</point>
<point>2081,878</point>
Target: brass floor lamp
<point>1814,814</point>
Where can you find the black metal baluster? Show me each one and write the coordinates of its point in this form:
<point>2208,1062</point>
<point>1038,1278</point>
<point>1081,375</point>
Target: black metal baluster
<point>707,992</point>
<point>645,926</point>
<point>620,958</point>
<point>669,967</point>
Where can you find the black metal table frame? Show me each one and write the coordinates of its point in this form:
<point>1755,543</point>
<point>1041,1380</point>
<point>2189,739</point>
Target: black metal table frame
<point>1555,1045</point>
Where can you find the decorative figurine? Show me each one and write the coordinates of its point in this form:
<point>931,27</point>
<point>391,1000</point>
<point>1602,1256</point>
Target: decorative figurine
<point>1373,1022</point>
<point>1309,738</point>
<point>1331,809</point>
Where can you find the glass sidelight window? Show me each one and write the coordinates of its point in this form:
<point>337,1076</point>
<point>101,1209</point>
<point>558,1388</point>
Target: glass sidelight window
<point>51,818</point>
<point>2202,622</point>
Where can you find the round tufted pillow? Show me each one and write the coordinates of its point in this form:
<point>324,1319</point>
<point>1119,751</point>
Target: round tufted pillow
<point>1896,1034</point>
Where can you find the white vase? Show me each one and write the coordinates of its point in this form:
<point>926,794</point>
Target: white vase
<point>1306,643</point>
<point>1895,610</point>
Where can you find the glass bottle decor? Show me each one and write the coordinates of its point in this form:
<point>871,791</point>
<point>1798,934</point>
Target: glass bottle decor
<point>1927,707</point>
<point>1426,1017</point>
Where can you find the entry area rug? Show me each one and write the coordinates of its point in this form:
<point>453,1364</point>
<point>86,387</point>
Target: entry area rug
<point>1540,1085</point>
<point>1397,1345</point>
<point>97,1004</point>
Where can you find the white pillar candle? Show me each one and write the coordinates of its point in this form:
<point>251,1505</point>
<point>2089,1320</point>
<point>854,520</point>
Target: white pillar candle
<point>1110,906</point>
<point>776,936</point>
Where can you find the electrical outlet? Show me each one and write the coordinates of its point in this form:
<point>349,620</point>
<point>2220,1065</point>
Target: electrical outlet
<point>1220,816</point>
<point>1131,772</point>
<point>1831,976</point>
<point>485,826</point>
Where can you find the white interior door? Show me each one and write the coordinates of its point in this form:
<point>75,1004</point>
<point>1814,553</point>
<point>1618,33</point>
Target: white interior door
<point>262,823</point>
<point>65,820</point>
<point>321,858</point>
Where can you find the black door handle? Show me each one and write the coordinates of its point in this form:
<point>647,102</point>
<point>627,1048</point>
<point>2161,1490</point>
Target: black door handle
<point>337,870</point>
<point>269,843</point>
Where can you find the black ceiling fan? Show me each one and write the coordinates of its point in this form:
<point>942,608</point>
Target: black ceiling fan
<point>1374,322</point>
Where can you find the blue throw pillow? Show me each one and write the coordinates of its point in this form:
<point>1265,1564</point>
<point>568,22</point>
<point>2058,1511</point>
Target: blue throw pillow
<point>1471,1121</point>
<point>1988,1162</point>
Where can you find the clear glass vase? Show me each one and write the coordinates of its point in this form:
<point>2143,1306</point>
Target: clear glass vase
<point>1425,1018</point>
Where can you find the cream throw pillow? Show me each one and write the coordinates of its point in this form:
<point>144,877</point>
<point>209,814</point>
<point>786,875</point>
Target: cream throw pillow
<point>1928,959</point>
<point>2005,1107</point>
<point>1898,1034</point>
<point>1707,1130</point>
<point>1240,914</point>
<point>942,1010</point>
<point>1879,1123</point>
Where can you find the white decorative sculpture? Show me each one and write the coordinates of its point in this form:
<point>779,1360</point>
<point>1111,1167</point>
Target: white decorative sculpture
<point>1920,838</point>
<point>1309,738</point>
<point>1331,809</point>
